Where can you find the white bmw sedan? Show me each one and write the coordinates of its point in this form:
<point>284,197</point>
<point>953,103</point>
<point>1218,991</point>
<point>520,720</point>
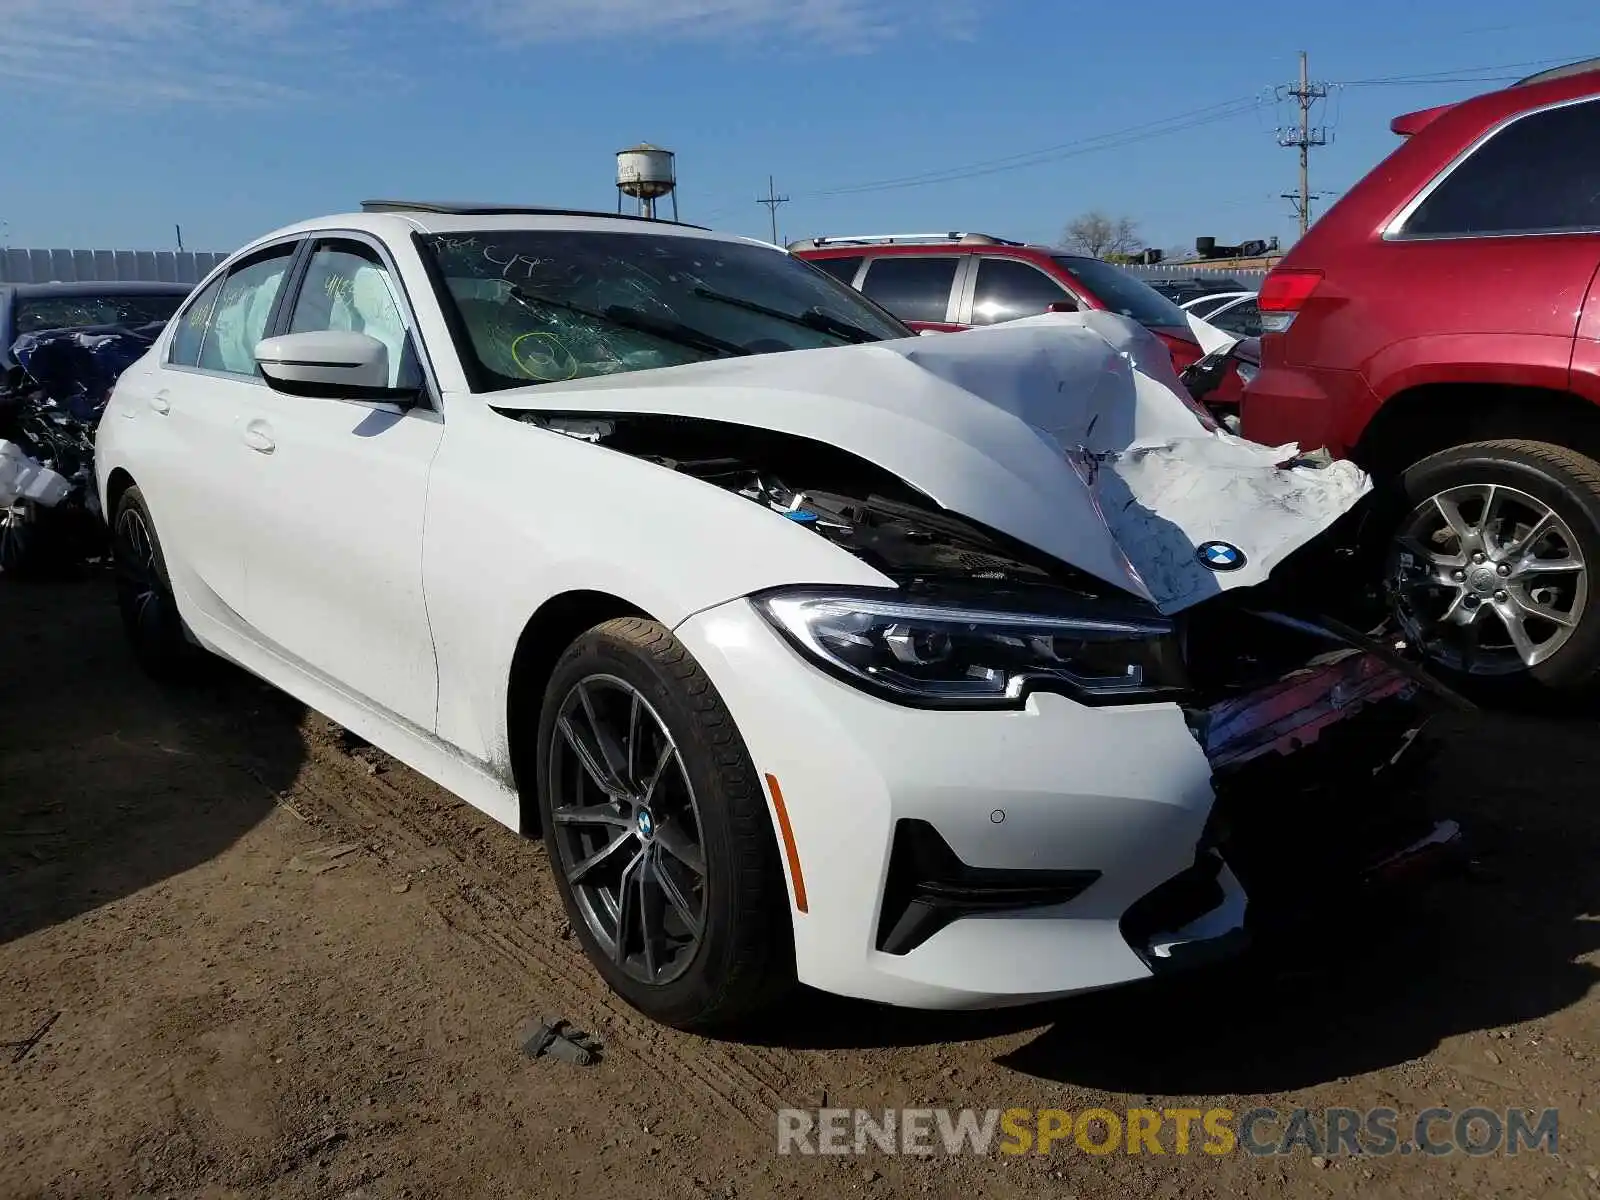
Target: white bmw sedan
<point>913,669</point>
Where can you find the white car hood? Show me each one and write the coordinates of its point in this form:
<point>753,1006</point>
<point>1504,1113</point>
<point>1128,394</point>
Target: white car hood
<point>1069,432</point>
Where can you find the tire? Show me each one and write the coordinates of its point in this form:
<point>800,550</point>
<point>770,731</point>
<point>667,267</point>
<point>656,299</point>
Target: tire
<point>19,545</point>
<point>145,599</point>
<point>35,543</point>
<point>708,796</point>
<point>1488,582</point>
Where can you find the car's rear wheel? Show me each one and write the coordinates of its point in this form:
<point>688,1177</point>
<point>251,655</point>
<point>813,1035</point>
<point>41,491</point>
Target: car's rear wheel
<point>658,831</point>
<point>144,591</point>
<point>1491,565</point>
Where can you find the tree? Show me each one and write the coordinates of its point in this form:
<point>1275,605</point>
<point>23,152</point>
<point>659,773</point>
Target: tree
<point>1097,235</point>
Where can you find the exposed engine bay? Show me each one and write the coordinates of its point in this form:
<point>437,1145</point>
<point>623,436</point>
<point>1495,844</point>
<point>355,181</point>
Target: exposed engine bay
<point>851,502</point>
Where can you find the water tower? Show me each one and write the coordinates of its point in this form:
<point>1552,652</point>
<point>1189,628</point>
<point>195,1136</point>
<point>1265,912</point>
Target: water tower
<point>647,173</point>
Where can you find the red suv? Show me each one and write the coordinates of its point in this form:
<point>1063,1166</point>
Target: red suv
<point>952,281</point>
<point>1440,324</point>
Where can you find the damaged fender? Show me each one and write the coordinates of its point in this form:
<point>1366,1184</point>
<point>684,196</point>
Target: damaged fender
<point>1066,432</point>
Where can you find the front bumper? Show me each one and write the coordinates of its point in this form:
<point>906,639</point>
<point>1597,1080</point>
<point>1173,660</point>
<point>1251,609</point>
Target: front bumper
<point>980,859</point>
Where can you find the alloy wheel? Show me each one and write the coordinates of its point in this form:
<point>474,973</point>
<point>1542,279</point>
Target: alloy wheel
<point>138,580</point>
<point>628,829</point>
<point>1488,578</point>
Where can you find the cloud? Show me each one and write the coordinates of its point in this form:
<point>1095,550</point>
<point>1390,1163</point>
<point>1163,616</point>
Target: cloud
<point>232,53</point>
<point>860,23</point>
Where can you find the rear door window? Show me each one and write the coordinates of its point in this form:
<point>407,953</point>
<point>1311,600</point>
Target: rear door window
<point>912,287</point>
<point>1008,288</point>
<point>1539,174</point>
<point>192,325</point>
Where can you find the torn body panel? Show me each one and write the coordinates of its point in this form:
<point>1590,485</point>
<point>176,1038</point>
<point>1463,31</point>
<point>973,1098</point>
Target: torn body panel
<point>1061,433</point>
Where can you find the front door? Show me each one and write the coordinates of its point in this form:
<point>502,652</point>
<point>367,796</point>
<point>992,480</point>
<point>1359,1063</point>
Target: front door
<point>333,574</point>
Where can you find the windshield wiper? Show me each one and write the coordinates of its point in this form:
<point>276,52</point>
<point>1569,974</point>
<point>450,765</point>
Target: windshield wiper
<point>641,322</point>
<point>812,318</point>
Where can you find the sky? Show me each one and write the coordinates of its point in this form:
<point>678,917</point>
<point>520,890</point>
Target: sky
<point>125,118</point>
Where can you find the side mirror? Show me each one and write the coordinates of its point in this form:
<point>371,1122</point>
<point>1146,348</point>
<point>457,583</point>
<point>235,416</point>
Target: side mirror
<point>1062,306</point>
<point>331,364</point>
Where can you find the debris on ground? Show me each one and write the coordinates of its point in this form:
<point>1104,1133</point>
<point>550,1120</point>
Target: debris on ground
<point>21,1050</point>
<point>554,1037</point>
<point>323,858</point>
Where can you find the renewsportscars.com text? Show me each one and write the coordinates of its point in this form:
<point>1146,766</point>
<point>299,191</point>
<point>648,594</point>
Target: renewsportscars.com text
<point>1180,1131</point>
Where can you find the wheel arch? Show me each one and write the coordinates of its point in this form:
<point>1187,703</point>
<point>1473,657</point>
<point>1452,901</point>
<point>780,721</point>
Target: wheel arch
<point>548,632</point>
<point>1422,420</point>
<point>117,483</point>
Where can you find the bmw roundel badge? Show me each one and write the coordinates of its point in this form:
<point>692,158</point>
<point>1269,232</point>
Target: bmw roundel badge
<point>1220,556</point>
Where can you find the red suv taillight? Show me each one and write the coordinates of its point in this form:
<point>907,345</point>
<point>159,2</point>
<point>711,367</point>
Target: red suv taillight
<point>1283,292</point>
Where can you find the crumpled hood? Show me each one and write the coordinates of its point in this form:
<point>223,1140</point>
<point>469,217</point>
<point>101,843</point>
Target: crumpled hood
<point>1069,432</point>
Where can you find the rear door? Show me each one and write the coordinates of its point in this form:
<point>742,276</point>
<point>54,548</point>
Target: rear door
<point>192,408</point>
<point>923,290</point>
<point>334,567</point>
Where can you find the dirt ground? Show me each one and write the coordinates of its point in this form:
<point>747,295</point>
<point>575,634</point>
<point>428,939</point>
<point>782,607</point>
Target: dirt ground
<point>238,1012</point>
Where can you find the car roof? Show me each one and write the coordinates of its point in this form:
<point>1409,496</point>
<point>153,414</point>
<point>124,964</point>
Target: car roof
<point>843,247</point>
<point>104,287</point>
<point>398,220</point>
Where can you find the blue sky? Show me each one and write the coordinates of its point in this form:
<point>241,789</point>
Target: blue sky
<point>231,117</point>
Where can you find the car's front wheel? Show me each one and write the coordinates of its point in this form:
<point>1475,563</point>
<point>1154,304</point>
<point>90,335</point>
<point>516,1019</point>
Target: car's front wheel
<point>1490,564</point>
<point>658,832</point>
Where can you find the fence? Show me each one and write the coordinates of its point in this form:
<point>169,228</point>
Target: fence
<point>1251,277</point>
<point>105,266</point>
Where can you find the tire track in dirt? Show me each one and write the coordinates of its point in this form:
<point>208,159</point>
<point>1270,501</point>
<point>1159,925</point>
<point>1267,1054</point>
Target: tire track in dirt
<point>497,892</point>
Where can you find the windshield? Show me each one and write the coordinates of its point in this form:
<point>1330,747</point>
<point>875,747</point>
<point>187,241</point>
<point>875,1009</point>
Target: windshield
<point>541,306</point>
<point>36,313</point>
<point>1122,293</point>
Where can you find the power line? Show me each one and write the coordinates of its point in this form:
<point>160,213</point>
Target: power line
<point>772,200</point>
<point>1305,94</point>
<point>1179,123</point>
<point>1224,110</point>
<point>1453,74</point>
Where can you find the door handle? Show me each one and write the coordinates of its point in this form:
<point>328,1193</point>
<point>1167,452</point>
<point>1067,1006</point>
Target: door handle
<point>160,403</point>
<point>259,437</point>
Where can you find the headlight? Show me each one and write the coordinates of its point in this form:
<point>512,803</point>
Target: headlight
<point>1247,372</point>
<point>953,653</point>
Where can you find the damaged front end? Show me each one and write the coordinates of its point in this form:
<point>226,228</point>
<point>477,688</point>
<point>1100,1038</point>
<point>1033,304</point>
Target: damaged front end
<point>1048,516</point>
<point>1315,733</point>
<point>50,405</point>
<point>1318,742</point>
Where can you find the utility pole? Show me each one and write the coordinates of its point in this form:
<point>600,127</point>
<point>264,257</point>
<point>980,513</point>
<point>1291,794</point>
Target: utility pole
<point>772,200</point>
<point>1303,137</point>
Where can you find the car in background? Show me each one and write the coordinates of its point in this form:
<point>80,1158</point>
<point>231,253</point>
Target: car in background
<point>1233,312</point>
<point>35,307</point>
<point>1183,289</point>
<point>946,282</point>
<point>1440,324</point>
